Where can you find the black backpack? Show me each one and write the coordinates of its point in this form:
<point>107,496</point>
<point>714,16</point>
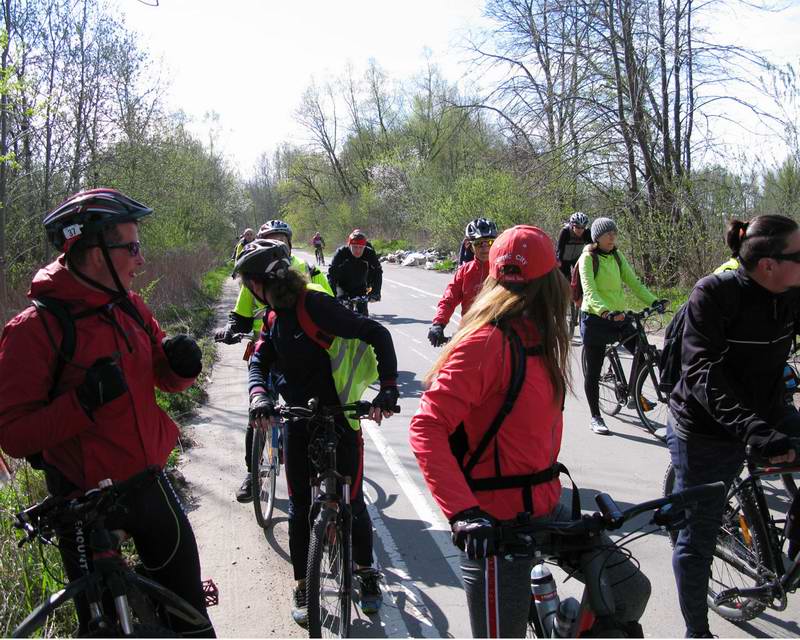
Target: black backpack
<point>669,363</point>
<point>459,445</point>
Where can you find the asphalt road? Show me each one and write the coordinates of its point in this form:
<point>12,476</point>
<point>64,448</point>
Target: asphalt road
<point>423,593</point>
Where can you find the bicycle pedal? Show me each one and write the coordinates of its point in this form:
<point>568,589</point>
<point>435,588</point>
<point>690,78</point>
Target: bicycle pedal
<point>211,593</point>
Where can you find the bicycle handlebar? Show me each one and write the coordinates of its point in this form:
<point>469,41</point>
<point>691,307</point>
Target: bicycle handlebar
<point>760,461</point>
<point>640,315</point>
<point>236,338</point>
<point>360,409</point>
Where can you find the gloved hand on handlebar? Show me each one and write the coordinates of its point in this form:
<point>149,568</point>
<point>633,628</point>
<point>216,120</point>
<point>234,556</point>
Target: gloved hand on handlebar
<point>262,409</point>
<point>473,533</point>
<point>772,445</point>
<point>225,335</point>
<point>384,403</point>
<point>374,297</point>
<point>661,305</point>
<point>436,335</point>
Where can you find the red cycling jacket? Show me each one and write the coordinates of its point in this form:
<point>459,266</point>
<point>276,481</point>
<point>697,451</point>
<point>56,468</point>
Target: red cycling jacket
<point>463,290</point>
<point>126,434</point>
<point>470,388</point>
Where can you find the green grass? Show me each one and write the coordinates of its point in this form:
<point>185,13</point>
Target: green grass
<point>446,265</point>
<point>382,247</point>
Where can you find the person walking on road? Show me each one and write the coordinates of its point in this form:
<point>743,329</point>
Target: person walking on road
<point>603,270</point>
<point>303,370</point>
<point>739,328</point>
<point>519,316</point>
<point>468,279</point>
<point>92,415</point>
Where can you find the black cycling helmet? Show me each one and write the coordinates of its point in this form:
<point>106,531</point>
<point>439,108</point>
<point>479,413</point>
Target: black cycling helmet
<point>264,259</point>
<point>579,219</point>
<point>275,226</point>
<point>480,228</point>
<point>84,215</point>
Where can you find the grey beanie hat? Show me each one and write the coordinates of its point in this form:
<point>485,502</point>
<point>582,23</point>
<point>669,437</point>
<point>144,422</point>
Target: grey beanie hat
<point>601,226</point>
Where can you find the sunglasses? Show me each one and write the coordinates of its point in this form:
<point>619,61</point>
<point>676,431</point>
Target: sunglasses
<point>481,244</point>
<point>791,257</point>
<point>134,248</point>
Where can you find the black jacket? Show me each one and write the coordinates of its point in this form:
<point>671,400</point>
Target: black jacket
<point>302,368</point>
<point>353,275</point>
<point>736,340</point>
<point>568,247</point>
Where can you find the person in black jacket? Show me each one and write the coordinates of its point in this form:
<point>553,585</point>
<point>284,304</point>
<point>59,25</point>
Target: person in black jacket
<point>739,328</point>
<point>301,370</point>
<point>573,237</point>
<point>354,269</point>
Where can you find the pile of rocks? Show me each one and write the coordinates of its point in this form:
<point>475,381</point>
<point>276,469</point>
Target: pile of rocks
<point>427,259</point>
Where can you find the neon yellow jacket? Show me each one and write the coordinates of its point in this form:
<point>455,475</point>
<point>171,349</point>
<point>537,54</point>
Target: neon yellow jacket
<point>604,292</point>
<point>728,265</point>
<point>248,307</point>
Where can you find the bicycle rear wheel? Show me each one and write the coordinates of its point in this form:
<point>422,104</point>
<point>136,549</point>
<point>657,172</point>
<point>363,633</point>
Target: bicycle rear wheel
<point>652,404</point>
<point>264,468</point>
<point>329,576</point>
<point>611,393</point>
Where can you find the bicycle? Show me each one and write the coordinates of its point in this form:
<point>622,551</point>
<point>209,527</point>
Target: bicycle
<point>748,574</point>
<point>265,467</point>
<point>329,576</point>
<point>651,403</point>
<point>567,543</point>
<point>574,316</point>
<point>356,304</point>
<point>122,601</point>
<point>319,255</point>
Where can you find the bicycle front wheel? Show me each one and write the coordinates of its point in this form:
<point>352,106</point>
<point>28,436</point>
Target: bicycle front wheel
<point>610,387</point>
<point>264,474</point>
<point>329,576</point>
<point>652,404</point>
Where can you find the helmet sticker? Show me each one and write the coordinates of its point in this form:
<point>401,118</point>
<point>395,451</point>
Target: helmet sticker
<point>72,231</point>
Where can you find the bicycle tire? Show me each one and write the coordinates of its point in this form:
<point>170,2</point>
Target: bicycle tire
<point>264,475</point>
<point>652,405</point>
<point>790,484</point>
<point>329,576</point>
<point>740,548</point>
<point>608,385</point>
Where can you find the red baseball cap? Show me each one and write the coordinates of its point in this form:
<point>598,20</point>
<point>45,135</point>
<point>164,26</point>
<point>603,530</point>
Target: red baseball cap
<point>525,247</point>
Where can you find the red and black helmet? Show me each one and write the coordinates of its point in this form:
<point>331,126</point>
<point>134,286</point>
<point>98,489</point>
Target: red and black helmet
<point>85,214</point>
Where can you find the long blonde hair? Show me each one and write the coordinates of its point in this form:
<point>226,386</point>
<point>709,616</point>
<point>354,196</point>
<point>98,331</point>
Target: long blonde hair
<point>544,300</point>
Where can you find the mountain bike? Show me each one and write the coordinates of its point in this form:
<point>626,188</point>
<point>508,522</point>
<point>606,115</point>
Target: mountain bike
<point>319,255</point>
<point>641,390</point>
<point>122,601</point>
<point>566,542</point>
<point>329,575</point>
<point>265,467</point>
<point>748,574</point>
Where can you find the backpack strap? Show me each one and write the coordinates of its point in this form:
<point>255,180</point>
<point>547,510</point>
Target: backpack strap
<point>309,327</point>
<point>596,260</point>
<point>66,350</point>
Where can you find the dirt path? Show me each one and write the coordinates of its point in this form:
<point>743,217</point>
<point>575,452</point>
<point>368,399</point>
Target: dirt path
<point>249,569</point>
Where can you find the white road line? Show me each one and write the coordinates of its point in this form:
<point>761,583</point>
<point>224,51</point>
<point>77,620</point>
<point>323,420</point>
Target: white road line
<point>421,355</point>
<point>391,617</point>
<point>427,293</point>
<point>438,527</point>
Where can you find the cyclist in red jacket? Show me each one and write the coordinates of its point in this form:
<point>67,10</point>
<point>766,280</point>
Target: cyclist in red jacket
<point>467,281</point>
<point>525,297</point>
<point>99,418</point>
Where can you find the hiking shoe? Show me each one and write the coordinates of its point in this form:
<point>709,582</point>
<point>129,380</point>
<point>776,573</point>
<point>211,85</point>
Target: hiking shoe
<point>299,606</point>
<point>599,426</point>
<point>245,492</point>
<point>371,597</point>
<point>647,405</point>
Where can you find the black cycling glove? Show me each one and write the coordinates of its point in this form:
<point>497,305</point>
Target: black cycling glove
<point>436,335</point>
<point>226,335</point>
<point>261,407</point>
<point>375,297</point>
<point>661,305</point>
<point>387,398</point>
<point>184,356</point>
<point>473,533</point>
<point>103,383</point>
<point>769,444</point>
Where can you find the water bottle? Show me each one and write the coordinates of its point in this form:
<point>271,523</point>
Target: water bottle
<point>544,596</point>
<point>565,618</point>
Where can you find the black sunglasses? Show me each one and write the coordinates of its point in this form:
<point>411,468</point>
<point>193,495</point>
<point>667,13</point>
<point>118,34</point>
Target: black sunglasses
<point>134,248</point>
<point>791,257</point>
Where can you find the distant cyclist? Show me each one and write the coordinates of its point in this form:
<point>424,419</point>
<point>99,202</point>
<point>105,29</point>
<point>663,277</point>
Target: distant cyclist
<point>355,269</point>
<point>243,319</point>
<point>602,312</point>
<point>573,237</point>
<point>525,299</point>
<point>304,370</point>
<point>468,279</point>
<point>247,236</point>
<point>319,245</point>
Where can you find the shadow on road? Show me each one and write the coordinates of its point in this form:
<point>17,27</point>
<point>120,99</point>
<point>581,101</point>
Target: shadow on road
<point>390,318</point>
<point>408,385</point>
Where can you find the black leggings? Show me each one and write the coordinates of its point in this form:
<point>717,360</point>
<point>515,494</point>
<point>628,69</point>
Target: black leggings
<point>350,462</point>
<point>594,352</point>
<point>166,545</point>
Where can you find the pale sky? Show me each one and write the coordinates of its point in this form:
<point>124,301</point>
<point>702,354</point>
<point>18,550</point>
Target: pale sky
<point>251,60</point>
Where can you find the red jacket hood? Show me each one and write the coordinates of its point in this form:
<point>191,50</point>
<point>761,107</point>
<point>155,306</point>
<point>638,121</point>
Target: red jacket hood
<point>56,281</point>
